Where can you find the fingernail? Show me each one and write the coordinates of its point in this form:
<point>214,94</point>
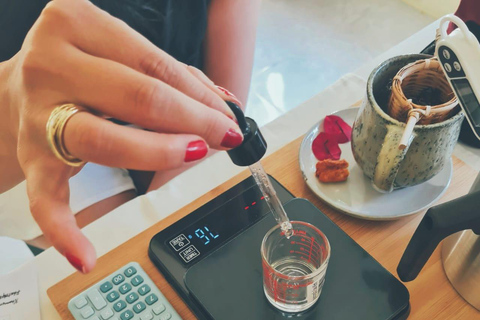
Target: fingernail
<point>196,150</point>
<point>231,95</point>
<point>74,261</point>
<point>233,118</point>
<point>232,139</point>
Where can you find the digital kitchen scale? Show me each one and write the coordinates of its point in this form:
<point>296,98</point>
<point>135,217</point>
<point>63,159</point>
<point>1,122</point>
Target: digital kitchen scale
<point>212,259</point>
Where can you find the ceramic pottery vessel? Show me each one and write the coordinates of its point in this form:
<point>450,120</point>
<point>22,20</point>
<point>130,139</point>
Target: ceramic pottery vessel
<point>376,136</point>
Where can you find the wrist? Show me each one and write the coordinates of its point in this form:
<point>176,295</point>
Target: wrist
<point>10,171</point>
<point>9,119</point>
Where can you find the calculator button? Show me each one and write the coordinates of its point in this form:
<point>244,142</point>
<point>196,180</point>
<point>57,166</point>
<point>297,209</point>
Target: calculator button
<point>97,299</point>
<point>137,280</point>
<point>119,306</point>
<point>112,296</point>
<point>132,297</point>
<point>106,286</point>
<point>165,316</point>
<point>130,271</point>
<point>143,290</point>
<point>447,67</point>
<point>82,302</point>
<point>126,315</point>
<point>159,309</point>
<point>457,66</point>
<point>124,288</point>
<point>146,316</point>
<point>87,312</point>
<point>151,299</point>
<point>107,314</point>
<point>139,307</point>
<point>119,278</point>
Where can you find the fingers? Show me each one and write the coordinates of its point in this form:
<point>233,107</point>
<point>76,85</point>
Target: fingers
<point>222,92</point>
<point>130,96</point>
<point>48,191</point>
<point>112,39</point>
<point>97,140</point>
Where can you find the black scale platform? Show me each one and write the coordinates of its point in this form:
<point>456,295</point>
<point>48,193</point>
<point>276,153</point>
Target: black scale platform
<point>212,259</point>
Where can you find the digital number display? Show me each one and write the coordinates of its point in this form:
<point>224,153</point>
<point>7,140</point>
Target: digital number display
<point>222,223</point>
<point>468,99</point>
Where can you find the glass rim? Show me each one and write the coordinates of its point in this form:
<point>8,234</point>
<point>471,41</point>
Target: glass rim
<point>308,276</point>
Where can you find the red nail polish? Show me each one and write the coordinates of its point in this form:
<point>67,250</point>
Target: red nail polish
<point>228,93</point>
<point>196,150</point>
<point>74,261</point>
<point>232,139</point>
<point>233,118</point>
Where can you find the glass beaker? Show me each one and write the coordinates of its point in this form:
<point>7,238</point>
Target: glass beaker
<point>294,268</point>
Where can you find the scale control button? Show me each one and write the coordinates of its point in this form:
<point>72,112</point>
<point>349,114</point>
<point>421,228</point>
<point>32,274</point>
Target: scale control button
<point>107,314</point>
<point>457,66</point>
<point>87,312</point>
<point>80,302</point>
<point>97,299</point>
<point>446,54</point>
<point>447,67</point>
<point>189,254</point>
<point>159,309</point>
<point>179,242</point>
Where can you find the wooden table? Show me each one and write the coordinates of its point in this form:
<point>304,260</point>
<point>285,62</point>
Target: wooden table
<point>431,295</point>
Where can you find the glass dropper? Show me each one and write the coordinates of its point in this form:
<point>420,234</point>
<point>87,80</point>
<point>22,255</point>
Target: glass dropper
<point>249,153</point>
<point>274,203</point>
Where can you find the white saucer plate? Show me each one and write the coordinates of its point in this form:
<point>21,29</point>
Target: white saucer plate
<point>356,196</point>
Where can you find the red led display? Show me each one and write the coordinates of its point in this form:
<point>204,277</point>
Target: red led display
<point>253,203</point>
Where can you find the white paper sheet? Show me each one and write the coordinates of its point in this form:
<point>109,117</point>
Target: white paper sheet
<point>18,282</point>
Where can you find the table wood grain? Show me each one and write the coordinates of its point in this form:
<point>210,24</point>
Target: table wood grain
<point>431,295</point>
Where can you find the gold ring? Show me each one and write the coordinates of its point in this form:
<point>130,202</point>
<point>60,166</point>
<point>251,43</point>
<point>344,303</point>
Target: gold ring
<point>55,128</point>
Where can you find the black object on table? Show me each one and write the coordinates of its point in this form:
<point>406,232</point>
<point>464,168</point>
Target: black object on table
<point>221,277</point>
<point>466,133</point>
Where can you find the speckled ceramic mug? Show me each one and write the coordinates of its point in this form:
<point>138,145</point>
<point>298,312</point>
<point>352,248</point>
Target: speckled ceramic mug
<point>376,136</point>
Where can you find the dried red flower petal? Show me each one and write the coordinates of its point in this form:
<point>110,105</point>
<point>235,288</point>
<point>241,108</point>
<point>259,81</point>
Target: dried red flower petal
<point>325,146</point>
<point>335,125</point>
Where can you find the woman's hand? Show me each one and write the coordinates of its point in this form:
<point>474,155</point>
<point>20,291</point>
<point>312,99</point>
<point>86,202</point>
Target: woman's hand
<point>77,53</point>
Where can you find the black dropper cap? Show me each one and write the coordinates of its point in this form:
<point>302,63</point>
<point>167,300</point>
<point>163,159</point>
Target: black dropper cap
<point>254,146</point>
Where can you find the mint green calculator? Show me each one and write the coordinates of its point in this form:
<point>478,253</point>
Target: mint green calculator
<point>127,294</point>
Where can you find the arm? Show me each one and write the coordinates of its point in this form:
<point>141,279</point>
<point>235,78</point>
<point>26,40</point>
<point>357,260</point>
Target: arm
<point>230,44</point>
<point>10,171</point>
<point>229,48</point>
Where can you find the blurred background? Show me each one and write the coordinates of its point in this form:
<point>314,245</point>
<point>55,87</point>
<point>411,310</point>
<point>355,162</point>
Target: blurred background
<point>303,46</point>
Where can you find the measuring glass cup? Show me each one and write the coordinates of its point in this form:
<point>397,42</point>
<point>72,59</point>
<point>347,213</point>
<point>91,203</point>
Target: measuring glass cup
<point>294,268</point>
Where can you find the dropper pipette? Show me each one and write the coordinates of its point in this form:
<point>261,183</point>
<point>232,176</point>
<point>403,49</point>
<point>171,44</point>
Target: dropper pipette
<point>266,187</point>
<point>249,154</point>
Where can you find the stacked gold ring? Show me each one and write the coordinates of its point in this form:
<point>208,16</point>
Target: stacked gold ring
<point>55,129</point>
